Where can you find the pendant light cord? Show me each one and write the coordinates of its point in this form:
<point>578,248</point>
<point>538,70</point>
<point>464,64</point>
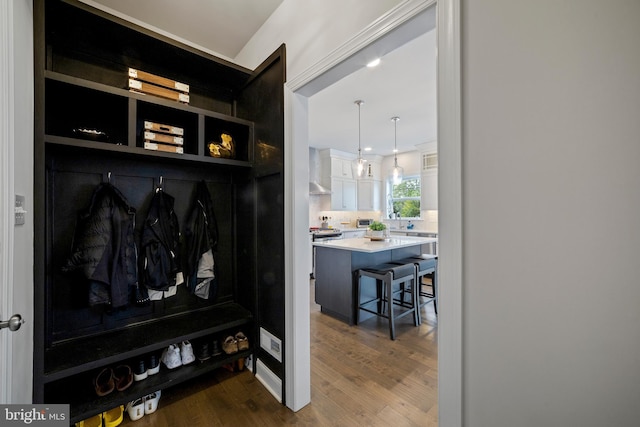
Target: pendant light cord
<point>395,140</point>
<point>359,102</point>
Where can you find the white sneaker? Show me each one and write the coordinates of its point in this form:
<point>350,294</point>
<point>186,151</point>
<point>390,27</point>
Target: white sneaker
<point>186,352</point>
<point>135,409</point>
<point>171,357</point>
<point>151,402</point>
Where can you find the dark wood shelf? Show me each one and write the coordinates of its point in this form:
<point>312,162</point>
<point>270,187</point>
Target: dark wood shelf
<point>137,151</point>
<point>79,393</point>
<point>88,353</point>
<point>63,78</point>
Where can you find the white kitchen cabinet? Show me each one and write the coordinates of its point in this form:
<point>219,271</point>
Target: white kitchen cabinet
<point>429,178</point>
<point>341,168</point>
<point>343,194</point>
<point>336,164</point>
<point>374,167</point>
<point>369,194</point>
<point>337,174</point>
<point>429,191</point>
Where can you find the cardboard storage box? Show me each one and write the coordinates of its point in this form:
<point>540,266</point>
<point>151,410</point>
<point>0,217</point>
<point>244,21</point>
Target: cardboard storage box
<point>158,80</point>
<point>163,92</point>
<point>163,138</point>
<point>159,127</point>
<point>148,145</point>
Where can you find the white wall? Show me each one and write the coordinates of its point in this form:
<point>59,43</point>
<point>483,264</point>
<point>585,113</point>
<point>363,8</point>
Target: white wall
<point>551,196</point>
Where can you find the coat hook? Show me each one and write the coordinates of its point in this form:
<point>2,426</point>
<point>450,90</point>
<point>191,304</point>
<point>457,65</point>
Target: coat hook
<point>159,188</point>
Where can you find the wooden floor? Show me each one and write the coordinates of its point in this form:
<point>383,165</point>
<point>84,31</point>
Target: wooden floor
<point>359,377</point>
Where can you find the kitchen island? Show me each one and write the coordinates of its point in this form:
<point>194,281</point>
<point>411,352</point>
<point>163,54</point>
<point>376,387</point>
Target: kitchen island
<point>338,260</point>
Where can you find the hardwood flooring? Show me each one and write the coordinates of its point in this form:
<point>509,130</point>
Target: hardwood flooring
<point>359,377</point>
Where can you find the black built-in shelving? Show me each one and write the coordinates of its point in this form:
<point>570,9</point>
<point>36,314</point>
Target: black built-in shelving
<point>82,56</point>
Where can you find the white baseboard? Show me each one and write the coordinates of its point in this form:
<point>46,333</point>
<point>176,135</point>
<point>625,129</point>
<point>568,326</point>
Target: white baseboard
<point>269,380</point>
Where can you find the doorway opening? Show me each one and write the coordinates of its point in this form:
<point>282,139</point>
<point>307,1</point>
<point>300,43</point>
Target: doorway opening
<point>297,92</point>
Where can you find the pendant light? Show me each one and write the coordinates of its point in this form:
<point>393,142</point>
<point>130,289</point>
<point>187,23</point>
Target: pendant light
<point>397,172</point>
<point>359,163</point>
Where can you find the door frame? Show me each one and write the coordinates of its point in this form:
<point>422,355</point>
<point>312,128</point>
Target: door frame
<point>16,242</point>
<point>297,91</point>
<point>6,194</point>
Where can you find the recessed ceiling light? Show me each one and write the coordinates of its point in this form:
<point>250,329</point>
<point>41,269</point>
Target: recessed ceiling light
<point>368,148</point>
<point>373,63</point>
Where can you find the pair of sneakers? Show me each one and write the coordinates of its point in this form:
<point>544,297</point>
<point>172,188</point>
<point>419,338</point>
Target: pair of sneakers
<point>142,370</point>
<point>177,355</point>
<point>143,406</point>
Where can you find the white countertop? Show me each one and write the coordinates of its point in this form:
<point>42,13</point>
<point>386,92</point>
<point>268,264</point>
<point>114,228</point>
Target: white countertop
<point>410,232</point>
<point>363,244</point>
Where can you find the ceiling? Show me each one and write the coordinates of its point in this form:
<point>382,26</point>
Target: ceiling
<point>402,85</point>
<point>221,26</point>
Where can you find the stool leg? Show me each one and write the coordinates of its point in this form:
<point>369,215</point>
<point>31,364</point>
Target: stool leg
<point>434,284</point>
<point>389,292</point>
<point>358,280</point>
<point>415,297</point>
<point>380,295</point>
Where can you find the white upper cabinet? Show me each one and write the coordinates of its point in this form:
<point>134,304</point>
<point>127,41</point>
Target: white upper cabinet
<point>343,194</point>
<point>336,172</point>
<point>429,177</point>
<point>341,168</point>
<point>369,194</point>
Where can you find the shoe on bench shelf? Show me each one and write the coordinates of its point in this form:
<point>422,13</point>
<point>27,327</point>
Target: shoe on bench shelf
<point>171,357</point>
<point>230,345</point>
<point>154,365</point>
<point>243,341</point>
<point>186,353</point>
<point>140,371</point>
<point>135,409</point>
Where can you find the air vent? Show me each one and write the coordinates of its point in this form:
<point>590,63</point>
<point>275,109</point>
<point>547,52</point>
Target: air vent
<point>271,344</point>
<point>429,161</point>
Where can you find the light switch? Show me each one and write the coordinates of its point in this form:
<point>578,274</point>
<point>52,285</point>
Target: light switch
<point>20,213</point>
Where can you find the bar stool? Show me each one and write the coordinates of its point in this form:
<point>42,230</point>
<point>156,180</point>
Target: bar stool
<point>387,276</point>
<point>425,265</point>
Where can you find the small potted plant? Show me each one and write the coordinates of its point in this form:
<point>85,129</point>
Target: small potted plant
<point>377,229</point>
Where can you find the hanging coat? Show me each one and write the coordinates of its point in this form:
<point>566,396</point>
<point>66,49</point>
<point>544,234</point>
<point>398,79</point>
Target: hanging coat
<point>160,257</point>
<point>200,245</point>
<point>104,250</point>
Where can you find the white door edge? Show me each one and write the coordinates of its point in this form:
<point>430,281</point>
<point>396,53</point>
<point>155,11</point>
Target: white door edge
<point>6,194</point>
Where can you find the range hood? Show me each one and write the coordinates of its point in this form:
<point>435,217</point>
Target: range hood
<point>315,188</point>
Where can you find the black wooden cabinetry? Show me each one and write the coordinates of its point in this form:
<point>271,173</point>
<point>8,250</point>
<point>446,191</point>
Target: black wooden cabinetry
<point>82,56</point>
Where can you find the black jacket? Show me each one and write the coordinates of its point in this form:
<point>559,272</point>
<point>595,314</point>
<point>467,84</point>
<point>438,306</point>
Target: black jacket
<point>160,256</point>
<point>104,250</point>
<point>200,238</point>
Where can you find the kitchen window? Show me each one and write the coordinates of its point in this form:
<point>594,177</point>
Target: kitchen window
<point>404,199</point>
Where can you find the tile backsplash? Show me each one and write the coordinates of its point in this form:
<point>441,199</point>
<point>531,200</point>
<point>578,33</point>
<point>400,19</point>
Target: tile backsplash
<point>319,206</point>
